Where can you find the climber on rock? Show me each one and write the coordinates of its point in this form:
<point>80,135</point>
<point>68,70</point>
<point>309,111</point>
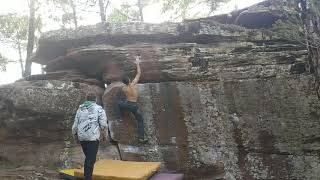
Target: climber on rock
<point>90,126</point>
<point>131,92</point>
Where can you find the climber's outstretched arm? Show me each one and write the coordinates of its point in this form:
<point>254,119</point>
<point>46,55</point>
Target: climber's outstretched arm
<point>136,79</point>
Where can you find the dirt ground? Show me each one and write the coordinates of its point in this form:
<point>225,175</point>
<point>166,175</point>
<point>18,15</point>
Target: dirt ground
<point>28,173</point>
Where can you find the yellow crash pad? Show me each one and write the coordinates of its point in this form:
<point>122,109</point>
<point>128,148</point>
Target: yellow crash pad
<point>121,170</point>
<point>67,174</point>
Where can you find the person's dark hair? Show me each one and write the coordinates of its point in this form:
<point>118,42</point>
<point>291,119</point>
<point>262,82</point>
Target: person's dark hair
<point>91,97</point>
<point>126,80</point>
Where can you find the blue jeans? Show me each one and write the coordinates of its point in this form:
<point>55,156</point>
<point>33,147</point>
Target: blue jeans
<point>134,109</point>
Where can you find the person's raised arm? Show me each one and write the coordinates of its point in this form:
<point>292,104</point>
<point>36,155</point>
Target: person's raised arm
<point>136,79</point>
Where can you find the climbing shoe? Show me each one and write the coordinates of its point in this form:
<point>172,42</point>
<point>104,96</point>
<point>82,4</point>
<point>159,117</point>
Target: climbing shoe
<point>119,120</point>
<point>142,141</point>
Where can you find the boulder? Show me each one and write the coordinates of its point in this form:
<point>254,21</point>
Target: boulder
<point>72,75</point>
<point>231,129</point>
<point>258,16</point>
<point>219,101</point>
<point>184,62</point>
<point>36,119</point>
<point>165,129</point>
<point>257,19</point>
<point>58,43</point>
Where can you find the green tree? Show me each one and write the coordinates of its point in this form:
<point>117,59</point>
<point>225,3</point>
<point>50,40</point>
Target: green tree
<point>302,24</point>
<point>31,36</point>
<point>182,8</point>
<point>141,4</point>
<point>103,6</point>
<point>14,32</point>
<point>13,29</point>
<point>125,14</point>
<point>69,9</point>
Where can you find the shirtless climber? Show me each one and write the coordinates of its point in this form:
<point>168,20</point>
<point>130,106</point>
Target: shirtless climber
<point>130,104</point>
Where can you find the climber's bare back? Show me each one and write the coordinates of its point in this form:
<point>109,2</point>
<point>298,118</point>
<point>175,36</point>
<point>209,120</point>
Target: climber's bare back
<point>131,92</point>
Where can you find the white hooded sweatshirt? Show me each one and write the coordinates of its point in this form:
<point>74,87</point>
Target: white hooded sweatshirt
<point>89,121</point>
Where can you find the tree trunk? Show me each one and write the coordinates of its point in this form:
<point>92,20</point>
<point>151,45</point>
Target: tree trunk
<point>102,11</point>
<point>140,6</point>
<point>183,15</point>
<point>20,58</point>
<point>30,44</point>
<point>74,12</point>
<point>42,69</point>
<point>315,51</point>
<point>311,29</point>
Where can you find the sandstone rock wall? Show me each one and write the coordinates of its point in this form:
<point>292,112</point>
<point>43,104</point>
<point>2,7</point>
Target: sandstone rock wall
<point>248,129</point>
<point>36,117</point>
<point>219,101</point>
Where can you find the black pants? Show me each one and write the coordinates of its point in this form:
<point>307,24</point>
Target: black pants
<point>90,149</point>
<point>134,109</point>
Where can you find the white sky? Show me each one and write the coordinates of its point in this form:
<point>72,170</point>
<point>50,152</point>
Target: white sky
<point>152,14</point>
